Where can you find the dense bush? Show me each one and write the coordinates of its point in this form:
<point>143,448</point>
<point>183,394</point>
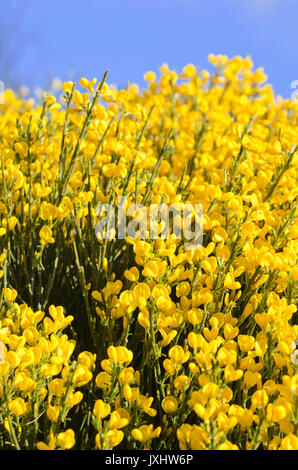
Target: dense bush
<point>139,343</point>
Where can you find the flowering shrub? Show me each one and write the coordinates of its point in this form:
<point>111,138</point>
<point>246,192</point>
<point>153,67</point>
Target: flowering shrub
<point>138,343</point>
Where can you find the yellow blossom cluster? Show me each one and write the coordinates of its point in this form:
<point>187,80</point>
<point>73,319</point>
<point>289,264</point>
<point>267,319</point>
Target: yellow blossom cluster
<point>138,342</point>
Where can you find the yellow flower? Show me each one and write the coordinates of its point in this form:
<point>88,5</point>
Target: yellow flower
<point>252,378</point>
<point>231,374</point>
<point>120,354</point>
<point>101,409</point>
<point>225,423</point>
<point>149,76</point>
<point>259,399</point>
<point>276,413</point>
<point>145,403</point>
<point>142,290</point>
<point>12,222</point>
<point>183,289</point>
<point>226,356</point>
<point>289,442</point>
<point>66,440</point>
<point>81,376</point>
<point>88,84</point>
<point>67,86</point>
<point>132,274</point>
<point>9,294</point>
<point>87,359</point>
<point>112,439</point>
<point>230,331</point>
<point>103,380</point>
<point>53,413</point>
<point>150,269</point>
<point>51,443</point>
<point>17,406</point>
<point>24,382</point>
<point>230,283</point>
<point>169,404</point>
<point>219,235</point>
<point>198,438</point>
<point>119,418</point>
<point>246,342</point>
<point>145,433</point>
<point>74,398</point>
<point>126,375</point>
<point>227,445</point>
<point>78,99</point>
<point>46,235</point>
<point>181,382</point>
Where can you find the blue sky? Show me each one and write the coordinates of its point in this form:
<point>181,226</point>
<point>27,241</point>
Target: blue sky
<point>43,39</point>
